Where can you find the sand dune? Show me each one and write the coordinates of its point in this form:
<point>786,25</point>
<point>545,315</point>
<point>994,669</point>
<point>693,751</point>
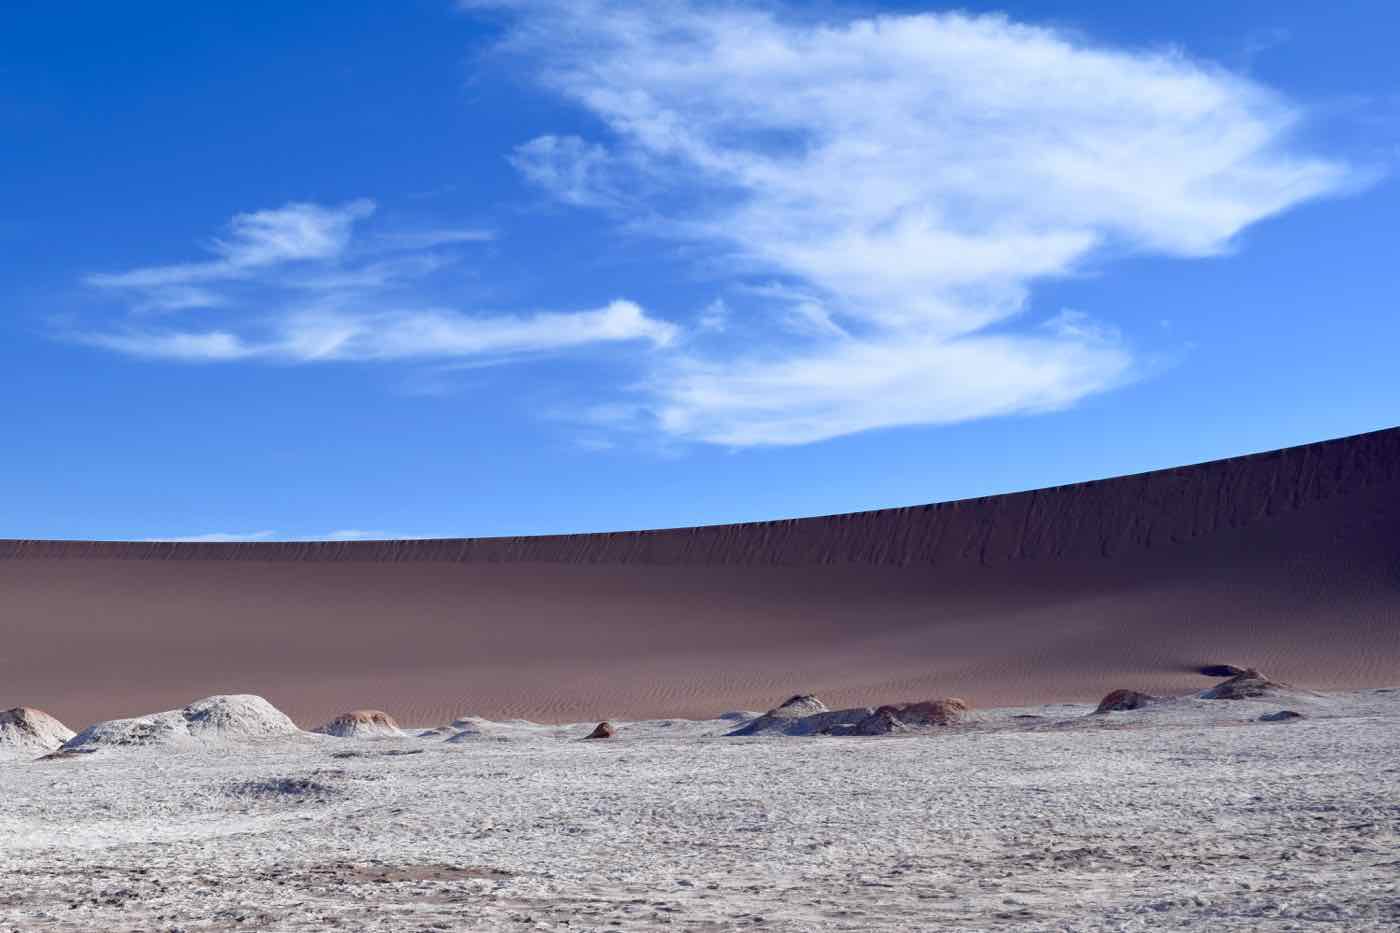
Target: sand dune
<point>1286,561</point>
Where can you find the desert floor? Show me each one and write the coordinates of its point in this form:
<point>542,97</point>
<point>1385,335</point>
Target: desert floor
<point>1187,815</point>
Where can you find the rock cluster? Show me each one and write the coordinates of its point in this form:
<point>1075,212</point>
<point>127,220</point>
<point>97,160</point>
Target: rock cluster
<point>807,715</point>
<point>912,716</point>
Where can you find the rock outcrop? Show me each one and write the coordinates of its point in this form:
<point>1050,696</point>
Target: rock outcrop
<point>1283,715</point>
<point>1244,686</point>
<point>1118,700</point>
<point>604,730</point>
<point>1222,670</point>
<point>911,717</point>
<point>30,730</point>
<point>213,721</point>
<point>362,723</point>
<point>802,714</point>
<point>806,715</point>
<point>796,707</point>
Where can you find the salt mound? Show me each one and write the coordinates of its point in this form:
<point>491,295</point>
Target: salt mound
<point>362,723</point>
<point>1244,686</point>
<point>1118,700</point>
<point>803,715</point>
<point>475,728</point>
<point>31,730</point>
<point>216,720</point>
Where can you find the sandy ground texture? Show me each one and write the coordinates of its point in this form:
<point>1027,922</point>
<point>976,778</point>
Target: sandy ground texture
<point>1185,814</point>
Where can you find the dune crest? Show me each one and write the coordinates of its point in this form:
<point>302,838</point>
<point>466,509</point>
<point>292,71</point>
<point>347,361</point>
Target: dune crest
<point>1284,558</point>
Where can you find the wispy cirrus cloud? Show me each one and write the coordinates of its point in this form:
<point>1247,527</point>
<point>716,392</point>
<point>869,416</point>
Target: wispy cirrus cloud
<point>222,537</point>
<point>878,197</point>
<point>216,537</point>
<point>297,232</point>
<point>299,284</point>
<point>427,334</point>
<point>904,181</point>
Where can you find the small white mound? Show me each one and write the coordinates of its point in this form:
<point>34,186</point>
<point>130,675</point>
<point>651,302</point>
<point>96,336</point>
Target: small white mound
<point>27,729</point>
<point>217,720</point>
<point>475,728</point>
<point>362,724</point>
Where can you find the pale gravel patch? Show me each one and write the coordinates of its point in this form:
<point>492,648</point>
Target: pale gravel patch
<point>1188,815</point>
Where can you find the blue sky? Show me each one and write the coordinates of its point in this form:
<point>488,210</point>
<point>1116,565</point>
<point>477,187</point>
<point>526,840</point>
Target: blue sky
<point>423,269</point>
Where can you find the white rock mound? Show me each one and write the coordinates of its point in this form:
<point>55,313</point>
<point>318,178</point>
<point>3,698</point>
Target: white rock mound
<point>803,715</point>
<point>211,722</point>
<point>477,729</point>
<point>362,724</point>
<point>30,730</point>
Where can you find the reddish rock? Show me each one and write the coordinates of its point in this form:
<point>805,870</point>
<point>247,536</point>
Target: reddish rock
<point>902,718</point>
<point>604,730</point>
<point>1123,700</point>
<point>361,722</point>
<point>932,712</point>
<point>1243,686</point>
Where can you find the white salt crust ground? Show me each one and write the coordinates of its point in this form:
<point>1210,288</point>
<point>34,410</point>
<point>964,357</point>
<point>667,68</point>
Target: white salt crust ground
<point>1189,815</point>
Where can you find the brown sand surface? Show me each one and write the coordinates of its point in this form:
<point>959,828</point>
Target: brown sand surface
<point>1288,561</point>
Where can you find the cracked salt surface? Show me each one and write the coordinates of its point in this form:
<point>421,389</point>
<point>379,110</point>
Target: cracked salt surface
<point>1186,814</point>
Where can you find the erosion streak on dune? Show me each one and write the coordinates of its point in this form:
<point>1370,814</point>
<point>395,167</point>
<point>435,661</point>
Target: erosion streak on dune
<point>1288,560</point>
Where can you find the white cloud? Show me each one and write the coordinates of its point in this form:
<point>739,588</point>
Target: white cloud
<point>179,298</point>
<point>856,385</point>
<point>221,537</point>
<point>573,170</point>
<point>354,534</point>
<point>423,239</point>
<point>291,233</point>
<point>218,537</point>
<point>299,290</point>
<point>914,176</point>
<point>206,346</point>
<point>714,317</point>
<point>295,232</point>
<point>324,335</point>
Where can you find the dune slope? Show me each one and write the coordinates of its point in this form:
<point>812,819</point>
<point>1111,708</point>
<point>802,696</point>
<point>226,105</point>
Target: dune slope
<point>1288,561</point>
